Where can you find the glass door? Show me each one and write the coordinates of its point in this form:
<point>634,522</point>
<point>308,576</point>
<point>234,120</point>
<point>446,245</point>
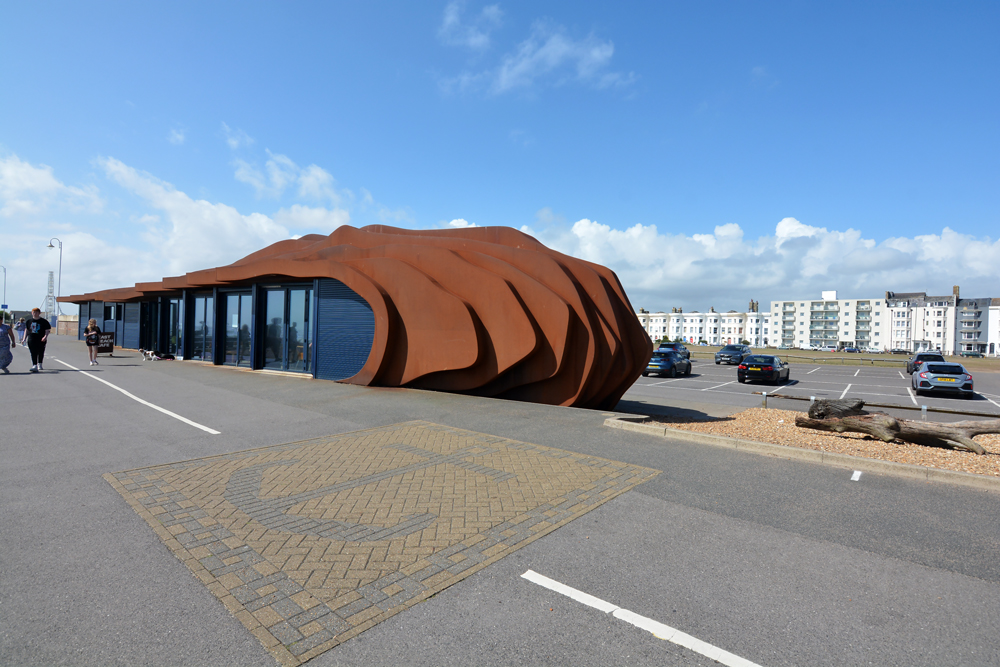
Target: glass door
<point>287,335</point>
<point>238,307</point>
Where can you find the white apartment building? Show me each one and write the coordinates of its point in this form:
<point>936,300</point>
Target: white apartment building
<point>711,328</point>
<point>831,321</point>
<point>910,321</point>
<point>948,323</point>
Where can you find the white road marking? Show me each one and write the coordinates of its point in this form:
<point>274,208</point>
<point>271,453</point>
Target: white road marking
<point>136,398</point>
<point>846,389</point>
<point>856,476</point>
<point>856,372</point>
<point>656,628</point>
<point>718,385</point>
<point>912,397</point>
<point>992,401</point>
<point>653,384</point>
<point>813,371</point>
<point>901,374</point>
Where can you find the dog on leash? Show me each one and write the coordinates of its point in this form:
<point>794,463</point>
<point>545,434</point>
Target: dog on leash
<point>155,355</point>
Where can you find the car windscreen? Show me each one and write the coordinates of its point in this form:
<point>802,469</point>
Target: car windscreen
<point>660,356</point>
<point>759,360</point>
<point>945,369</point>
<point>731,348</point>
<point>930,357</point>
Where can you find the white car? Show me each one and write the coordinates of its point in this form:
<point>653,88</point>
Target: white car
<point>826,348</point>
<point>873,350</point>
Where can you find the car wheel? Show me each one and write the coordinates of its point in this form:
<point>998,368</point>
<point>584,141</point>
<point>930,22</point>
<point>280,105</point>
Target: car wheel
<point>717,362</point>
<point>688,371</point>
<point>673,371</point>
<point>645,375</point>
<point>741,380</point>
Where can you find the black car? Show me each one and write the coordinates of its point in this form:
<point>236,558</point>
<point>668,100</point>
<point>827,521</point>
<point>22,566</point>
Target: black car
<point>911,365</point>
<point>676,347</point>
<point>667,362</point>
<point>943,377</point>
<point>732,354</point>
<point>760,367</point>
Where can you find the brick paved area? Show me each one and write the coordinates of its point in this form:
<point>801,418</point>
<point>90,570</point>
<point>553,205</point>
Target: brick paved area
<point>311,543</point>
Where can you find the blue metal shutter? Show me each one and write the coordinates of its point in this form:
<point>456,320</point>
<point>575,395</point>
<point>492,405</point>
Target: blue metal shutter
<point>130,339</point>
<point>345,330</point>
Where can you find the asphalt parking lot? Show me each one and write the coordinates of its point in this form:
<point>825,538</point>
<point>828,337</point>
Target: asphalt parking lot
<point>717,385</point>
<point>779,562</point>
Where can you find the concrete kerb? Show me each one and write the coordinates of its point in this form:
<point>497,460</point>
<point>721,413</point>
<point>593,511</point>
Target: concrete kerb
<point>636,423</point>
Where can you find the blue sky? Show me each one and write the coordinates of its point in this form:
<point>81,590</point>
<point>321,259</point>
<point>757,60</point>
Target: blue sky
<point>709,153</point>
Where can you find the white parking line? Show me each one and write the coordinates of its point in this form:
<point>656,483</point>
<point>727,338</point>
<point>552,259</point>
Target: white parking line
<point>901,374</point>
<point>912,397</point>
<point>856,476</point>
<point>813,371</point>
<point>992,401</point>
<point>856,372</point>
<point>846,389</point>
<point>653,384</point>
<point>656,628</point>
<point>718,385</point>
<point>136,398</point>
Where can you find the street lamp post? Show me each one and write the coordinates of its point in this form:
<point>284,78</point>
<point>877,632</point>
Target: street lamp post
<point>59,289</point>
<point>4,291</point>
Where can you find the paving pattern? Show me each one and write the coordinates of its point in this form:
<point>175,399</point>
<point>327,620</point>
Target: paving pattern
<point>313,542</point>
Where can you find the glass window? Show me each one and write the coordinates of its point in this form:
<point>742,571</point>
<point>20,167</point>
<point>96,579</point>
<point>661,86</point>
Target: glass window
<point>204,325</point>
<point>238,327</point>
<point>175,326</point>
<point>299,348</point>
<point>274,331</point>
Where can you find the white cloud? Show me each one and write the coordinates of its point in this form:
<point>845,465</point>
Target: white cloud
<point>29,190</point>
<point>725,270</point>
<point>318,220</point>
<point>548,55</point>
<point>176,136</point>
<point>197,233</point>
<point>280,172</point>
<point>474,35</point>
<point>460,223</point>
<point>236,138</point>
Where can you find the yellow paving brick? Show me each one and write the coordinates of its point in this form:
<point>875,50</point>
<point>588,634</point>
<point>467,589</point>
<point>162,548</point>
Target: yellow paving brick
<point>463,507</point>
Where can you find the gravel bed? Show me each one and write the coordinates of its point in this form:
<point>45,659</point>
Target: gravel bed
<point>778,427</point>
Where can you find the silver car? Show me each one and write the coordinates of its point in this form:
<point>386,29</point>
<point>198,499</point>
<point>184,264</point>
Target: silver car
<point>943,377</point>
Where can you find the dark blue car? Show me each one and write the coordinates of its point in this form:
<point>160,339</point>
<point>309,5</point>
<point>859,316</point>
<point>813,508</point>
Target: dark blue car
<point>667,362</point>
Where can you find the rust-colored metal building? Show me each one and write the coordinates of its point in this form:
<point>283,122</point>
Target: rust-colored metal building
<point>487,311</point>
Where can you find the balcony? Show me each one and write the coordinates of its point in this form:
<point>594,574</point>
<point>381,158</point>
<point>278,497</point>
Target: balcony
<point>830,309</point>
<point>864,308</point>
<point>864,327</point>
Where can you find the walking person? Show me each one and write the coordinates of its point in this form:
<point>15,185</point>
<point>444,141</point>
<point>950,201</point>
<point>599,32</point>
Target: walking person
<point>22,329</point>
<point>6,333</point>
<point>92,334</point>
<point>38,334</point>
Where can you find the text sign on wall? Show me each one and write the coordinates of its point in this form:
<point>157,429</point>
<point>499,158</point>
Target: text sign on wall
<point>107,343</point>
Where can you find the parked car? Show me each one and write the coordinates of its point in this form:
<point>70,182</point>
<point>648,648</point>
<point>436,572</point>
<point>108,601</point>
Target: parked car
<point>826,348</point>
<point>676,347</point>
<point>873,350</point>
<point>732,354</point>
<point>973,354</point>
<point>944,377</point>
<point>852,350</point>
<point>920,358</point>
<point>899,351</point>
<point>667,362</point>
<point>761,367</point>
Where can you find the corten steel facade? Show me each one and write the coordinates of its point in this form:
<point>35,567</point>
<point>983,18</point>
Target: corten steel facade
<point>487,311</point>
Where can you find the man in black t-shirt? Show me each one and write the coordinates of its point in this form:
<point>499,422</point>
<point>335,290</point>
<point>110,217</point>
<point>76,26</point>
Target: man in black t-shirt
<point>36,335</point>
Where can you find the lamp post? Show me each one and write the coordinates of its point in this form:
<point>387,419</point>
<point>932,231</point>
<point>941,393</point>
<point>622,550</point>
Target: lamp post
<point>59,289</point>
<point>4,292</point>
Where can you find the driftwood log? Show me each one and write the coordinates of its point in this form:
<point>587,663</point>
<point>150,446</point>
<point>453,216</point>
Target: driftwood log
<point>827,408</point>
<point>956,435</point>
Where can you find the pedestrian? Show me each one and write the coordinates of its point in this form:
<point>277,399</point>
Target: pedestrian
<point>92,334</point>
<point>6,333</point>
<point>38,334</point>
<point>21,328</point>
